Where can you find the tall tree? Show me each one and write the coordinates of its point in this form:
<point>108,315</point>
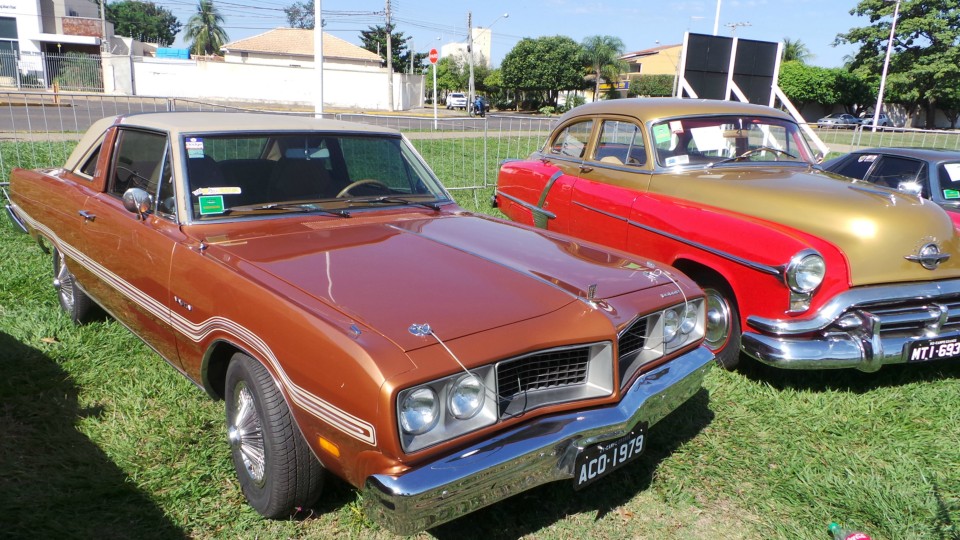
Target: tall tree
<point>300,15</point>
<point>144,21</point>
<point>545,65</point>
<point>926,49</point>
<point>601,55</point>
<point>205,30</point>
<point>796,50</point>
<point>374,39</point>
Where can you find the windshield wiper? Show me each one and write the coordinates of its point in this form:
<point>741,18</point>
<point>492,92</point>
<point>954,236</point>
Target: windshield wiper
<point>393,199</point>
<point>293,207</point>
<point>751,152</point>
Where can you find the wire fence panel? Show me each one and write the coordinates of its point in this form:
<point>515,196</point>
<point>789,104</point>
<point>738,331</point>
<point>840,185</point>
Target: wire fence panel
<point>71,72</point>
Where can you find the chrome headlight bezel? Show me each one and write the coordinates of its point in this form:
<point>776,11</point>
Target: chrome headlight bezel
<point>805,272</point>
<point>691,324</point>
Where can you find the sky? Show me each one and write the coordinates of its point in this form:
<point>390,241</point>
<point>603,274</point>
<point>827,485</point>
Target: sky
<point>642,24</point>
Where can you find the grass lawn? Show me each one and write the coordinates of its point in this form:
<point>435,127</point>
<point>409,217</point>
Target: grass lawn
<point>100,438</point>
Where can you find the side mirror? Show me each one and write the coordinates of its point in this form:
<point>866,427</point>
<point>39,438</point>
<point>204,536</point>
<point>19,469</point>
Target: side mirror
<point>137,201</point>
<point>911,187</point>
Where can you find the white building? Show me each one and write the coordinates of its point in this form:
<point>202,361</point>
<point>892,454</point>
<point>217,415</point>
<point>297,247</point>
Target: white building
<point>51,26</point>
<point>481,47</point>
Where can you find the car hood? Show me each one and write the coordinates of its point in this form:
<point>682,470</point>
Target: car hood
<point>461,274</point>
<point>875,228</point>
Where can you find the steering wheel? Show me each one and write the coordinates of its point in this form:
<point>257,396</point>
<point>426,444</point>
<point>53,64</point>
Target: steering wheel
<point>134,179</point>
<point>770,149</point>
<point>363,182</point>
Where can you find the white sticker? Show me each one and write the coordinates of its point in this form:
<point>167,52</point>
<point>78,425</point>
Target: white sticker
<point>673,161</point>
<point>708,138</point>
<point>676,126</point>
<point>217,191</point>
<point>868,158</point>
<point>953,171</point>
<point>194,147</point>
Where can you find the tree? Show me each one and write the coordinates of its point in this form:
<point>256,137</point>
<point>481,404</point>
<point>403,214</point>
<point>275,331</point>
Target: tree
<point>374,39</point>
<point>300,15</point>
<point>795,50</point>
<point>144,21</point>
<point>601,55</point>
<point>925,52</point>
<point>545,65</point>
<point>205,30</point>
<point>651,86</point>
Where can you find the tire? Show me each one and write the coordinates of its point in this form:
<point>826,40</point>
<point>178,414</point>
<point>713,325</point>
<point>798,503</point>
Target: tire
<point>278,473</point>
<point>73,301</point>
<point>723,323</point>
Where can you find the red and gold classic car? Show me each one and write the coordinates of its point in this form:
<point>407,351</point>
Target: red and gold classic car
<point>801,268</point>
<point>317,277</point>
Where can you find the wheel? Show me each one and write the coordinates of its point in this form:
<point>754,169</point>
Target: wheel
<point>278,473</point>
<point>364,182</point>
<point>73,301</point>
<point>723,323</point>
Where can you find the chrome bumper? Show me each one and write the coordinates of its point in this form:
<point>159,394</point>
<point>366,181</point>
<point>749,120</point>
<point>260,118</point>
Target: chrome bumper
<point>17,221</point>
<point>527,456</point>
<point>863,328</point>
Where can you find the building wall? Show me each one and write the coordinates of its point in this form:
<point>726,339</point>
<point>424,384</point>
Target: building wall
<point>27,13</point>
<point>664,62</point>
<point>287,60</point>
<point>344,86</point>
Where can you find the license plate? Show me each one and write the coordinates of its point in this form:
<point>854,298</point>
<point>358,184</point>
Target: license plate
<point>599,460</point>
<point>934,349</point>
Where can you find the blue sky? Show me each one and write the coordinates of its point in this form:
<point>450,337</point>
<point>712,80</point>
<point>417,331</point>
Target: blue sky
<point>640,24</point>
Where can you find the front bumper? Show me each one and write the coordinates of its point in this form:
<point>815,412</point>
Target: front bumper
<point>14,217</point>
<point>541,451</point>
<point>863,328</point>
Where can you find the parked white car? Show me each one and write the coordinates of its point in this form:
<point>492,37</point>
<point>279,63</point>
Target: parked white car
<point>882,120</point>
<point>456,100</point>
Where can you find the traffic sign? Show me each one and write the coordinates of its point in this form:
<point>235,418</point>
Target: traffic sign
<point>434,56</point>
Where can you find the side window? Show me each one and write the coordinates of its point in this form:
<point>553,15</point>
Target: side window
<point>572,141</point>
<point>857,166</point>
<point>621,143</point>
<point>88,164</point>
<point>141,161</point>
<point>893,170</point>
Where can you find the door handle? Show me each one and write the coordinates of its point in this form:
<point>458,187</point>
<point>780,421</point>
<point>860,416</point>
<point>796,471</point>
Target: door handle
<point>87,216</point>
<point>585,168</point>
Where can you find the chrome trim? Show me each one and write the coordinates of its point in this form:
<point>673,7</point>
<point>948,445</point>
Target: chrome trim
<point>760,267</point>
<point>540,451</point>
<point>528,206</point>
<point>16,219</point>
<point>794,262</point>
<point>887,294</point>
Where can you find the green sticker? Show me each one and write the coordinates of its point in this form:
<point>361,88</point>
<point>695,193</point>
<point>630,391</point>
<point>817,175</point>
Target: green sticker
<point>951,194</point>
<point>211,204</point>
<point>661,133</point>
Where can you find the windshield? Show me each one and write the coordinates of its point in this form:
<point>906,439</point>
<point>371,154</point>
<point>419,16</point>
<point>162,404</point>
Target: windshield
<point>242,174</point>
<point>711,140</point>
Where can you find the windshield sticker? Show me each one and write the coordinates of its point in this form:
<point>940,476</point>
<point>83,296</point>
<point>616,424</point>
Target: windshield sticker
<point>673,161</point>
<point>953,171</point>
<point>216,191</point>
<point>708,138</point>
<point>661,133</point>
<point>869,158</point>
<point>676,126</point>
<point>211,204</point>
<point>951,194</point>
<point>194,147</point>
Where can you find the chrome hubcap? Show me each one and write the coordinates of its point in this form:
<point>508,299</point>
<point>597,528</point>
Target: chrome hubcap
<point>63,282</point>
<point>718,320</point>
<point>246,434</point>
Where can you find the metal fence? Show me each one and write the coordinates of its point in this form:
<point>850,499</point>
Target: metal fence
<point>842,140</point>
<point>38,129</point>
<point>70,72</point>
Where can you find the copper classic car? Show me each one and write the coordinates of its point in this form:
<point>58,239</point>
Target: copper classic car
<point>317,277</point>
<point>801,268</point>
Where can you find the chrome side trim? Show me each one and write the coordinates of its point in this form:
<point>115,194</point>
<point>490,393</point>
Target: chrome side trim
<point>528,206</point>
<point>540,451</point>
<point>760,267</point>
<point>338,418</point>
<point>861,295</point>
<point>546,188</point>
<point>17,221</point>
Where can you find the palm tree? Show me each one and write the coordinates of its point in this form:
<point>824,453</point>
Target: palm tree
<point>205,29</point>
<point>601,55</point>
<point>796,50</point>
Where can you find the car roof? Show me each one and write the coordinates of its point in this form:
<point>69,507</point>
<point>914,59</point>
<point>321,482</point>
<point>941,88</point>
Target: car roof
<point>928,154</point>
<point>653,108</point>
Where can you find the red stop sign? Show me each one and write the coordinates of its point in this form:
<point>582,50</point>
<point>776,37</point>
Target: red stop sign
<point>434,56</point>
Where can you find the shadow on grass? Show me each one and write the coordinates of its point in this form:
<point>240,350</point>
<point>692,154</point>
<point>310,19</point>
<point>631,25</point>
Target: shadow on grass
<point>54,482</point>
<point>528,512</point>
<point>848,380</point>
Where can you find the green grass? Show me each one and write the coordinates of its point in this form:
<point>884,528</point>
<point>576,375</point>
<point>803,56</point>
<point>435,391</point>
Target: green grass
<point>99,437</point>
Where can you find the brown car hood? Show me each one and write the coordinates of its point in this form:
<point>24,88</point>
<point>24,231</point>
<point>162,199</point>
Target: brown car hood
<point>460,273</point>
<point>874,227</point>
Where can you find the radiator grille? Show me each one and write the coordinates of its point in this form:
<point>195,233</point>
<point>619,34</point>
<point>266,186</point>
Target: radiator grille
<point>634,338</point>
<point>541,371</point>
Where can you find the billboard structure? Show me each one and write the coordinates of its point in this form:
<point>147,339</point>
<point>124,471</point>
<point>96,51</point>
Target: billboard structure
<point>716,67</point>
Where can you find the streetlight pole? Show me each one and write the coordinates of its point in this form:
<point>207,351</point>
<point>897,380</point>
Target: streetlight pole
<point>471,58</point>
<point>886,65</point>
<point>716,19</point>
<point>318,57</point>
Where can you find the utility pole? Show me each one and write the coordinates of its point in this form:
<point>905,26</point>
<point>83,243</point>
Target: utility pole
<point>104,45</point>
<point>318,57</point>
<point>470,57</point>
<point>389,59</point>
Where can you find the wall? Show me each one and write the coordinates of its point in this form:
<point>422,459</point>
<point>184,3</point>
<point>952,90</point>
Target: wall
<point>343,87</point>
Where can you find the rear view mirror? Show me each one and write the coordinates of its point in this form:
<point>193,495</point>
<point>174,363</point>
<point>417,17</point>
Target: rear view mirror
<point>911,187</point>
<point>137,201</point>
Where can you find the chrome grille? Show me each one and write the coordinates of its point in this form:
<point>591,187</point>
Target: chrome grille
<point>914,318</point>
<point>543,370</point>
<point>634,338</point>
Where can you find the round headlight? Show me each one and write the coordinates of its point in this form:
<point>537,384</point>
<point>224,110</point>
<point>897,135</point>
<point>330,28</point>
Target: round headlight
<point>805,272</point>
<point>419,411</point>
<point>671,324</point>
<point>690,316</point>
<point>466,397</point>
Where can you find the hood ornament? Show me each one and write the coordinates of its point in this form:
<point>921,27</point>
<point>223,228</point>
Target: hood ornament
<point>420,330</point>
<point>928,256</point>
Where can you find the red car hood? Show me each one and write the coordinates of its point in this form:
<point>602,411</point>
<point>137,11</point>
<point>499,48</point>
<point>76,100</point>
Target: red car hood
<point>462,274</point>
